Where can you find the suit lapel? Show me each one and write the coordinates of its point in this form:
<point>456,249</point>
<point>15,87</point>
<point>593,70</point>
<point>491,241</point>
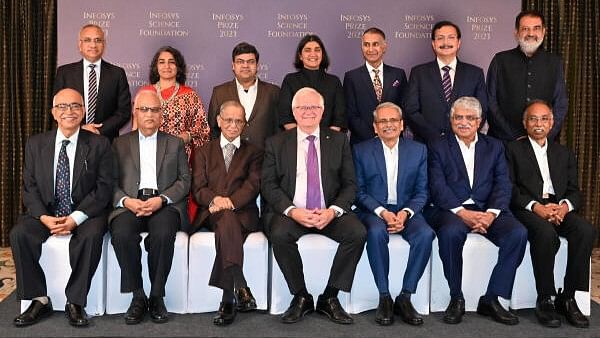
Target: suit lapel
<point>134,149</point>
<point>388,81</point>
<point>326,149</point>
<point>380,161</point>
<point>402,156</point>
<point>458,81</point>
<point>365,77</point>
<point>260,98</point>
<point>555,174</point>
<point>290,154</point>
<point>161,148</point>
<point>81,153</point>
<point>480,151</point>
<point>458,158</point>
<point>78,80</point>
<point>435,74</point>
<point>48,165</point>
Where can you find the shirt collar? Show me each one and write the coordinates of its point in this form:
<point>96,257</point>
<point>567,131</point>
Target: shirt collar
<point>60,137</point>
<point>370,68</point>
<point>537,147</point>
<point>394,148</point>
<point>86,63</point>
<point>236,142</point>
<point>302,135</point>
<point>147,138</point>
<point>252,88</point>
<point>451,64</point>
<point>460,142</point>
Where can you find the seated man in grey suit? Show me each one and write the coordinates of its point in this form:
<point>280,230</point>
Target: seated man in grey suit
<point>258,97</point>
<point>309,185</point>
<point>67,184</point>
<point>225,185</point>
<point>153,181</point>
<point>545,197</point>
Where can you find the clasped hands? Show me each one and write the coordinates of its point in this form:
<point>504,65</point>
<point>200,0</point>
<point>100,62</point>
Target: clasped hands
<point>312,218</point>
<point>551,212</point>
<point>220,203</point>
<point>395,221</point>
<point>478,221</point>
<point>58,225</point>
<point>143,208</point>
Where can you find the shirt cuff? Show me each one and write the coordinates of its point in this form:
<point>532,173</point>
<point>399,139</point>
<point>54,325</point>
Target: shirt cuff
<point>287,210</point>
<point>169,201</point>
<point>410,212</point>
<point>339,211</point>
<point>529,205</point>
<point>78,216</point>
<point>457,209</point>
<point>571,208</point>
<point>494,211</point>
<point>378,211</point>
<point>120,204</point>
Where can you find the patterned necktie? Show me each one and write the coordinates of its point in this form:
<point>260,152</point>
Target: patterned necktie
<point>313,186</point>
<point>446,83</point>
<point>62,189</point>
<point>377,85</point>
<point>228,156</point>
<point>92,95</point>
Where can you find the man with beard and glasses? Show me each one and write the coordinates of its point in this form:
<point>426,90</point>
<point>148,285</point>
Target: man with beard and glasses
<point>523,74</point>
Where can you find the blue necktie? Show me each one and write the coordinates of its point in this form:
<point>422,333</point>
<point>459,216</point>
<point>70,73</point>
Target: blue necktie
<point>62,188</point>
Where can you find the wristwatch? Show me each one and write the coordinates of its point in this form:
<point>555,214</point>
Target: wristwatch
<point>164,200</point>
<point>337,213</point>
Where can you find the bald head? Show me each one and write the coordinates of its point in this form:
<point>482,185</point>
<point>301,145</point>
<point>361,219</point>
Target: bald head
<point>68,110</point>
<point>148,112</point>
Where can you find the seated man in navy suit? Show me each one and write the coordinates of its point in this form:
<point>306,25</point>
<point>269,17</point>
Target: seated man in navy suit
<point>471,189</point>
<point>392,189</point>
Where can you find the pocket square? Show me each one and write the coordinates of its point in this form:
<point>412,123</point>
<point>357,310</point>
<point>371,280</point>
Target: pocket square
<point>396,83</point>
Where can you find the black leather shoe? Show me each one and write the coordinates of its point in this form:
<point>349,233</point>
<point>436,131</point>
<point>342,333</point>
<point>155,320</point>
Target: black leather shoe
<point>34,313</point>
<point>245,300</point>
<point>385,311</point>
<point>299,307</point>
<point>455,311</point>
<point>76,315</point>
<point>568,307</point>
<point>332,308</point>
<point>158,310</point>
<point>225,315</point>
<point>404,308</point>
<point>495,310</point>
<point>136,311</point>
<point>545,312</point>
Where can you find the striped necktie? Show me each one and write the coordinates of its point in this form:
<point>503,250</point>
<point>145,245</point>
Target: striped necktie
<point>446,83</point>
<point>92,95</point>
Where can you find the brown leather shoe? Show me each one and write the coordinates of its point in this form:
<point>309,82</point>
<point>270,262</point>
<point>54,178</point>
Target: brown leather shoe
<point>245,300</point>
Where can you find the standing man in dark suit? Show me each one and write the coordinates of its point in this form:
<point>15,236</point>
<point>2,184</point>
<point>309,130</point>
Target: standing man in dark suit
<point>225,185</point>
<point>392,190</point>
<point>524,73</point>
<point>103,85</point>
<point>259,98</point>
<point>434,86</point>
<point>545,198</point>
<point>309,184</point>
<point>66,190</point>
<point>370,84</point>
<point>153,181</point>
<point>470,189</point>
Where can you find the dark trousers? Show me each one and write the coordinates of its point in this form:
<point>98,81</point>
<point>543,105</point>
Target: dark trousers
<point>506,232</point>
<point>347,230</point>
<point>416,232</point>
<point>544,244</point>
<point>85,250</point>
<point>125,230</point>
<point>230,236</point>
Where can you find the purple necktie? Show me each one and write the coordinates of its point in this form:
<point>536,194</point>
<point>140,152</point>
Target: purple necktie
<point>313,187</point>
<point>447,83</point>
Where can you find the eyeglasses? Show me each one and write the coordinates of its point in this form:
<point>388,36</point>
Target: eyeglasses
<point>535,119</point>
<point>307,108</point>
<point>74,107</point>
<point>90,40</point>
<point>144,109</point>
<point>237,122</point>
<point>470,118</point>
<point>241,62</point>
<point>385,121</point>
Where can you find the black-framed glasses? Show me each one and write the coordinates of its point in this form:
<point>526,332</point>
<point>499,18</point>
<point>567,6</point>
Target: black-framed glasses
<point>145,109</point>
<point>74,107</point>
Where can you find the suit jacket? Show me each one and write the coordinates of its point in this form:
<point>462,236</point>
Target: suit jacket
<point>241,183</point>
<point>264,119</point>
<point>92,182</point>
<point>172,170</point>
<point>113,107</point>
<point>279,170</point>
<point>527,177</point>
<point>361,100</point>
<point>426,108</point>
<point>448,180</point>
<point>371,175</point>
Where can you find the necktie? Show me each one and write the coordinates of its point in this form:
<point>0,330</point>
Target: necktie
<point>92,95</point>
<point>228,156</point>
<point>446,83</point>
<point>377,85</point>
<point>62,189</point>
<point>313,186</point>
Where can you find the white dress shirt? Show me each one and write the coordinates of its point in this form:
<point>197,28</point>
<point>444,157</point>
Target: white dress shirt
<point>372,74</point>
<point>78,216</point>
<point>247,98</point>
<point>223,142</point>
<point>148,161</point>
<point>452,71</point>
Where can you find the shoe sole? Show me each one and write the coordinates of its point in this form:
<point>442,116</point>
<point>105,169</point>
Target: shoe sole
<point>133,322</point>
<point>452,321</point>
<point>160,321</point>
<point>333,319</point>
<point>43,316</point>
<point>246,308</point>
<point>299,318</point>
<point>486,314</point>
<point>384,322</point>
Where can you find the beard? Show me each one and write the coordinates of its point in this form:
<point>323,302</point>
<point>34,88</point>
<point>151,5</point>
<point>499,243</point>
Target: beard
<point>529,46</point>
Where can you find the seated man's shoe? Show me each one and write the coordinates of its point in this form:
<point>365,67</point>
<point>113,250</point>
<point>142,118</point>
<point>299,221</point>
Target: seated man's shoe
<point>545,312</point>
<point>76,315</point>
<point>455,311</point>
<point>34,313</point>
<point>245,300</point>
<point>158,310</point>
<point>225,314</point>
<point>567,306</point>
<point>136,311</point>
<point>299,307</point>
<point>493,308</point>
<point>332,308</point>
<point>385,311</point>
<point>404,308</point>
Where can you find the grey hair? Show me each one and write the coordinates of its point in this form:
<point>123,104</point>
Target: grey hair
<point>306,90</point>
<point>387,105</point>
<point>144,91</point>
<point>232,103</point>
<point>468,103</point>
<point>536,101</point>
